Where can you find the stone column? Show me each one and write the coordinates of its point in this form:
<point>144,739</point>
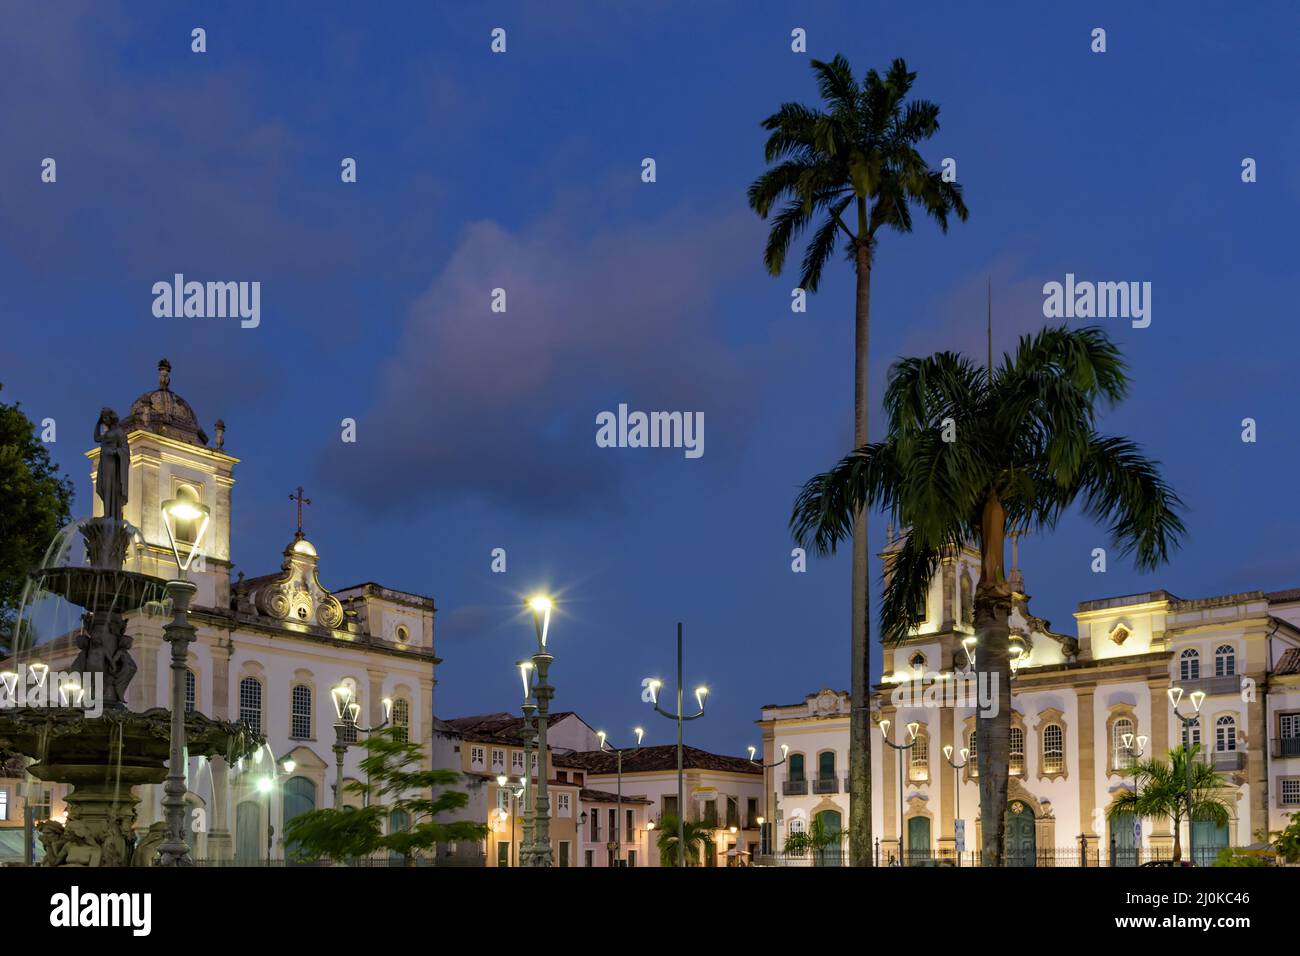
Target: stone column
<point>1087,761</point>
<point>949,583</point>
<point>1162,835</point>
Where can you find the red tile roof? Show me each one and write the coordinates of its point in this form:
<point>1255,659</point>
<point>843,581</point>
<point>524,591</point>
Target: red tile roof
<point>587,795</point>
<point>653,759</point>
<point>501,727</point>
<point>1289,662</point>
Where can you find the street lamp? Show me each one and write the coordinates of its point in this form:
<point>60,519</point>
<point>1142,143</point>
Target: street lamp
<point>347,710</point>
<point>536,683</point>
<point>528,733</point>
<point>785,754</point>
<point>1198,698</point>
<point>912,728</point>
<point>700,693</point>
<point>956,778</point>
<point>503,782</point>
<point>1127,740</point>
<point>179,632</point>
<point>618,813</point>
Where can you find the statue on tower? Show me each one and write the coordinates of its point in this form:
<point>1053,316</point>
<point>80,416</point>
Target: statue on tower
<point>112,478</point>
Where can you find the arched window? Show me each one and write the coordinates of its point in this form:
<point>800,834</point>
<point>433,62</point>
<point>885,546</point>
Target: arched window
<point>191,691</point>
<point>1017,751</point>
<point>1225,661</point>
<point>917,663</point>
<point>401,719</point>
<point>1225,734</point>
<point>1122,756</point>
<point>250,703</point>
<point>1053,748</point>
<point>187,530</point>
<point>1189,664</point>
<point>796,768</point>
<point>826,766</point>
<point>920,758</point>
<point>300,723</point>
<point>967,603</point>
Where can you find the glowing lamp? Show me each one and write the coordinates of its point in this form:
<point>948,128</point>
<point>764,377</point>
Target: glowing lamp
<point>176,510</point>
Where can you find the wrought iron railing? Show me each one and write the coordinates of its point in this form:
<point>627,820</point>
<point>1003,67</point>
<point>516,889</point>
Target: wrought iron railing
<point>794,788</point>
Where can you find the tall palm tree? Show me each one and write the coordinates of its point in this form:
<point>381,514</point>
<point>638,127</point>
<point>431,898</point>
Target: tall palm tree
<point>857,153</point>
<point>1161,792</point>
<point>972,453</point>
<point>697,837</point>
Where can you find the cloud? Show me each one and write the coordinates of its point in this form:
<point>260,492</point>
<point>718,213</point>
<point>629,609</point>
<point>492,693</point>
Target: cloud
<point>501,407</point>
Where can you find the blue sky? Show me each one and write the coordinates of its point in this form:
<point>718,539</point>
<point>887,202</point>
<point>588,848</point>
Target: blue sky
<point>476,430</point>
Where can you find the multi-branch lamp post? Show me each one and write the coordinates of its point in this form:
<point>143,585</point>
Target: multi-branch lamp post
<point>912,728</point>
<point>956,779</point>
<point>1198,698</point>
<point>346,710</point>
<point>179,632</point>
<point>701,692</point>
<point>785,755</point>
<point>538,693</point>
<point>617,835</point>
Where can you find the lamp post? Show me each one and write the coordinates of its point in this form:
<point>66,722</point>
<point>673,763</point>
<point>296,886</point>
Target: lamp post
<point>956,779</point>
<point>528,733</point>
<point>1135,754</point>
<point>179,632</point>
<point>346,710</point>
<point>1198,698</point>
<point>617,835</point>
<point>785,755</point>
<point>542,692</point>
<point>700,693</point>
<point>512,794</point>
<point>884,733</point>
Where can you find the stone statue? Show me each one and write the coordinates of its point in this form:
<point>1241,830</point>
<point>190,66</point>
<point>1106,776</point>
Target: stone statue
<point>107,652</point>
<point>111,480</point>
<point>54,842</point>
<point>146,847</point>
<point>221,434</point>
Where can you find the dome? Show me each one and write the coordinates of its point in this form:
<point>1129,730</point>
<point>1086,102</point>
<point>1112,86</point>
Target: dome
<point>165,413</point>
<point>303,546</point>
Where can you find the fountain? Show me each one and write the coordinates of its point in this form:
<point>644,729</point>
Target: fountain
<point>75,726</point>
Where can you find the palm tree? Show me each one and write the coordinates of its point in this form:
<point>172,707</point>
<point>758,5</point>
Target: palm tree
<point>1161,792</point>
<point>697,835</point>
<point>817,840</point>
<point>859,152</point>
<point>973,453</point>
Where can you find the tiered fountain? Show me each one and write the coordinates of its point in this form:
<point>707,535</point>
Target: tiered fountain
<point>80,598</point>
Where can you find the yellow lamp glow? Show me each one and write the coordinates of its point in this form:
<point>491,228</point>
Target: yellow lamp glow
<point>342,695</point>
<point>289,765</point>
<point>181,509</point>
<point>264,784</point>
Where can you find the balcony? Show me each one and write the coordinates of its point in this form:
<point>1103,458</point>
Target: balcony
<point>1212,685</point>
<point>795,788</point>
<point>1286,747</point>
<point>1223,760</point>
<point>826,785</point>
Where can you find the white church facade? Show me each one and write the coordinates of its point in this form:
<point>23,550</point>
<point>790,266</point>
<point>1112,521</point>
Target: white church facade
<point>1085,706</point>
<point>268,649</point>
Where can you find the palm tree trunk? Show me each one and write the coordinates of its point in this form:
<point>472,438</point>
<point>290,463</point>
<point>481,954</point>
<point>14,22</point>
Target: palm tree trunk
<point>1178,838</point>
<point>860,718</point>
<point>993,671</point>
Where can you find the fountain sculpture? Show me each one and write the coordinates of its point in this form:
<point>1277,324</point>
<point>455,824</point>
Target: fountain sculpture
<point>81,597</point>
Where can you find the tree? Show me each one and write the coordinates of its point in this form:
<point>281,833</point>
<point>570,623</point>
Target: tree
<point>1287,841</point>
<point>1160,791</point>
<point>35,502</point>
<point>817,839</point>
<point>350,833</point>
<point>859,153</point>
<point>697,835</point>
<point>971,454</point>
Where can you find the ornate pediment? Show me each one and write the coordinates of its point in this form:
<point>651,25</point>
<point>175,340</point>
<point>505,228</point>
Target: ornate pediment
<point>296,594</point>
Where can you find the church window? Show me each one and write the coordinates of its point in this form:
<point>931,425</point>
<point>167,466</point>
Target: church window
<point>920,758</point>
<point>187,530</point>
<point>1225,661</point>
<point>1053,749</point>
<point>403,635</point>
<point>1017,751</point>
<point>1122,755</point>
<point>967,603</point>
<point>301,712</point>
<point>250,703</point>
<point>401,719</point>
<point>1225,734</point>
<point>191,691</point>
<point>1189,664</point>
<point>972,757</point>
<point>917,662</point>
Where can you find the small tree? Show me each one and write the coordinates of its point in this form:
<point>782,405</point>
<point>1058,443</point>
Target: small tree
<point>1161,791</point>
<point>1287,842</point>
<point>34,503</point>
<point>350,833</point>
<point>696,834</point>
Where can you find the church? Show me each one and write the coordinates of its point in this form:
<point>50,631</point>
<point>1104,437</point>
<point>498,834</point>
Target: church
<point>269,649</point>
<point>1085,707</point>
